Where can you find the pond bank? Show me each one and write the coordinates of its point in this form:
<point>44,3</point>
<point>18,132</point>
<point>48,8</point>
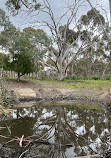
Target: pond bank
<point>27,90</point>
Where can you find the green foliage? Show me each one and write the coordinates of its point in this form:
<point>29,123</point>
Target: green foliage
<point>91,77</point>
<point>1,60</point>
<point>85,35</point>
<point>22,52</point>
<point>5,61</point>
<point>78,77</point>
<point>4,20</point>
<point>43,77</point>
<point>22,63</point>
<point>37,36</point>
<point>8,30</point>
<point>6,65</point>
<point>16,5</point>
<point>94,18</point>
<point>71,77</point>
<point>71,35</point>
<point>95,77</point>
<point>107,77</point>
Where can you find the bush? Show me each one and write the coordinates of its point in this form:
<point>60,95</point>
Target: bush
<point>86,77</point>
<point>96,77</point>
<point>107,77</point>
<point>43,77</point>
<point>71,77</point>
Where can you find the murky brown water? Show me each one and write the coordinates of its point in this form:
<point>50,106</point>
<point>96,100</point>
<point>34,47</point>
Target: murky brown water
<point>83,128</point>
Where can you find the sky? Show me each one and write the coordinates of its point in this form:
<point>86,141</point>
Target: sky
<point>23,20</point>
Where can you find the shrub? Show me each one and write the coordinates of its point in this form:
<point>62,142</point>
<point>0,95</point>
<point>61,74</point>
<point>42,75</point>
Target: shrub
<point>107,77</point>
<point>43,77</point>
<point>95,77</point>
<point>71,77</point>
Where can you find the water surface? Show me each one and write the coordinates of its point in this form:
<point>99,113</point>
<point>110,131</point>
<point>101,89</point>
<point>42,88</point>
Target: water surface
<point>85,129</point>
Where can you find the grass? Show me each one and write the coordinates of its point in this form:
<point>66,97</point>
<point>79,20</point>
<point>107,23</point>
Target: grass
<point>4,110</point>
<point>95,85</point>
<point>80,84</point>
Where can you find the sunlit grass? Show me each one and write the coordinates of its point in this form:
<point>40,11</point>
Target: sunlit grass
<point>80,84</point>
<point>95,85</point>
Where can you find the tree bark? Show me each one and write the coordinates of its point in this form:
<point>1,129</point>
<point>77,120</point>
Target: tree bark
<point>61,74</point>
<point>18,77</point>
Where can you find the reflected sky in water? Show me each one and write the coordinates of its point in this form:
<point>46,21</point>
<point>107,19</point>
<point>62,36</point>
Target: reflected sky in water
<point>60,125</point>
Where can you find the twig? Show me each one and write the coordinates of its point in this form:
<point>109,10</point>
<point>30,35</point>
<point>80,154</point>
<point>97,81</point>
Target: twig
<point>23,153</point>
<point>17,140</point>
<point>4,136</point>
<point>21,140</point>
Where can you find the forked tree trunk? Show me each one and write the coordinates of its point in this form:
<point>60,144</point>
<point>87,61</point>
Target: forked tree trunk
<point>61,75</point>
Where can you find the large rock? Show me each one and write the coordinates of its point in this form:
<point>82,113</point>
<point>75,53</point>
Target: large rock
<point>26,92</point>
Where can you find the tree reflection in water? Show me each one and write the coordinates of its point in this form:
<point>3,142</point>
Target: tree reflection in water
<point>84,129</point>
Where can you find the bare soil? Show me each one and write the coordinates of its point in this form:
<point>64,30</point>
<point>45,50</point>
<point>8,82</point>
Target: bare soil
<point>49,90</point>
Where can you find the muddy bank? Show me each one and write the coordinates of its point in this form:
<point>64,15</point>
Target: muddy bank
<point>42,91</point>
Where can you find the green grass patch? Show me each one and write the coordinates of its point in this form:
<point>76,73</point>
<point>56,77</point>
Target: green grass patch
<point>80,84</point>
<point>95,85</point>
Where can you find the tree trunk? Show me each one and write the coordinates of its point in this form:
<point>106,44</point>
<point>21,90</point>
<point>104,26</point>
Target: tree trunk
<point>110,62</point>
<point>61,75</point>
<point>18,77</point>
<point>72,68</point>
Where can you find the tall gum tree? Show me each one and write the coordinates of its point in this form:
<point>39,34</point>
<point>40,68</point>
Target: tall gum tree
<point>90,28</point>
<point>66,44</point>
<point>106,29</point>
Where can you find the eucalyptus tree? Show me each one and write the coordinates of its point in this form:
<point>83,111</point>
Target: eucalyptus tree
<point>4,59</point>
<point>39,38</point>
<point>65,40</point>
<point>27,50</point>
<point>7,34</point>
<point>21,60</point>
<point>24,48</point>
<point>15,6</point>
<point>7,30</point>
<point>106,30</point>
<point>90,28</point>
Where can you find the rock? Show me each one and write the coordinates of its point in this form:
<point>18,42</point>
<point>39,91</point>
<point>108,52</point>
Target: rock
<point>26,92</point>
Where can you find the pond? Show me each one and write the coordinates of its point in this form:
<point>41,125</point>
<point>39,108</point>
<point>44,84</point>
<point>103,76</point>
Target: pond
<point>64,131</point>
